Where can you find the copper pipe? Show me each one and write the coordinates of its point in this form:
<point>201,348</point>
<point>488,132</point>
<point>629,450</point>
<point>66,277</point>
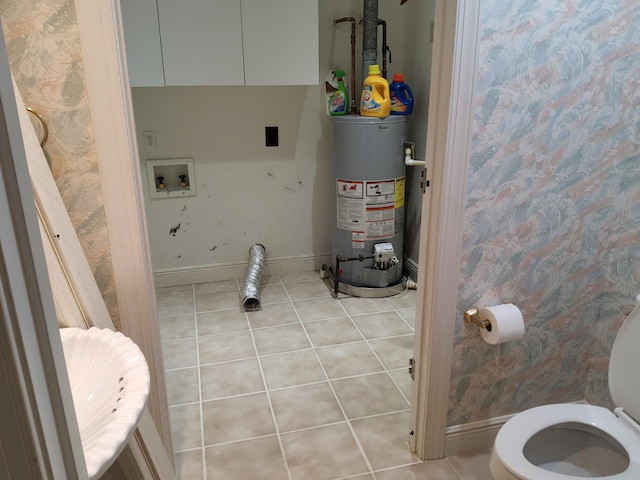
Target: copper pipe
<point>353,59</point>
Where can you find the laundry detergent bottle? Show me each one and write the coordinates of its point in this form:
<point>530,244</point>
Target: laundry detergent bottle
<point>339,100</point>
<point>375,101</point>
<point>401,96</point>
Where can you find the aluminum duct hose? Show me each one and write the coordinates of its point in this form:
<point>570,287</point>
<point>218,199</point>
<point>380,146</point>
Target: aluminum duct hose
<point>251,286</point>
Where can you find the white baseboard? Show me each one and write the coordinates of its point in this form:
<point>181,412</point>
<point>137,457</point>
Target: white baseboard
<point>170,277</point>
<point>412,267</point>
<point>473,436</point>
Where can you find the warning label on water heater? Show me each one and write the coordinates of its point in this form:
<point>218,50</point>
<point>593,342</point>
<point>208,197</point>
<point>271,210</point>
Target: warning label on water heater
<point>368,208</point>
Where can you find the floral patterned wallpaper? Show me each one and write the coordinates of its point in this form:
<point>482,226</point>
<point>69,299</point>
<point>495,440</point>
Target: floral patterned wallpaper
<point>46,61</point>
<point>552,216</point>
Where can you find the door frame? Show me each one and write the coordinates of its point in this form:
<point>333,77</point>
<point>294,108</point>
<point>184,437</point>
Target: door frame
<point>447,150</point>
<point>102,44</point>
<point>448,142</point>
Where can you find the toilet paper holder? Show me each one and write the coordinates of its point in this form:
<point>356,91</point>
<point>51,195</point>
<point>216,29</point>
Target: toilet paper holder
<point>473,316</point>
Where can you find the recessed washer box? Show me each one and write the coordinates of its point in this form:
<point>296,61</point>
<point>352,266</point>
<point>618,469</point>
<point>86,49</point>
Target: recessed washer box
<point>171,177</point>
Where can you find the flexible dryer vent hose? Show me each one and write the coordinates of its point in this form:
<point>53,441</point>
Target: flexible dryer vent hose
<point>251,286</point>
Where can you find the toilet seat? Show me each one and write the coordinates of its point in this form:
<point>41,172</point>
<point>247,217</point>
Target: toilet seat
<point>509,444</point>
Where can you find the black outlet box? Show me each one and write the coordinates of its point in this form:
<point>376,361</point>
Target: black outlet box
<point>271,136</point>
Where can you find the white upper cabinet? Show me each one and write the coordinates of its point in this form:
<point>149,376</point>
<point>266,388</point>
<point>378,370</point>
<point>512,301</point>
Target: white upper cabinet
<point>280,42</point>
<point>221,42</point>
<point>142,42</point>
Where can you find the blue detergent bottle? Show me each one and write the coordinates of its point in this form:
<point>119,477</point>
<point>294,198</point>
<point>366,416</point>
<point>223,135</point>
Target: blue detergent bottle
<point>401,96</point>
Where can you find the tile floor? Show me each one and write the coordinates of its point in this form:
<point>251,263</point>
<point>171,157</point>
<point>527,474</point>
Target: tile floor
<point>309,387</point>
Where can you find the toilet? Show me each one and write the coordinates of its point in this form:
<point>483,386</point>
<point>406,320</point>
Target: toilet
<point>572,441</point>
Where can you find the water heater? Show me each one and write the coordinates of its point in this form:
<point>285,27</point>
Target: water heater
<point>368,221</point>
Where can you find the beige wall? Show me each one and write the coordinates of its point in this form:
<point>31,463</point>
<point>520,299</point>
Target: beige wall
<point>248,193</point>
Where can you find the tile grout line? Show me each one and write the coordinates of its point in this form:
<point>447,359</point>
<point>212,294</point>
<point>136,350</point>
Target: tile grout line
<point>195,319</point>
<point>385,369</point>
<point>268,394</point>
<point>335,395</point>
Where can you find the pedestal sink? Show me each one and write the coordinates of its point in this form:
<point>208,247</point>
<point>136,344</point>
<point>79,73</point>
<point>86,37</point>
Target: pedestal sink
<point>109,380</point>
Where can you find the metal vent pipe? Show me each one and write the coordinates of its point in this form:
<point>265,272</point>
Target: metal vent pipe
<point>369,35</point>
<point>251,286</point>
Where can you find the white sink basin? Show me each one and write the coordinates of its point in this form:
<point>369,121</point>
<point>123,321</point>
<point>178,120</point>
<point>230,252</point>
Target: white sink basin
<point>109,380</point>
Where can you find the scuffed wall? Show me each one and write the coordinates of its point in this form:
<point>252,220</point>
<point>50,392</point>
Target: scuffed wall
<point>553,202</point>
<point>46,61</point>
<point>248,193</point>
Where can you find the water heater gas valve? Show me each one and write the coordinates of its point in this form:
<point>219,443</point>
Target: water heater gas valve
<point>384,256</point>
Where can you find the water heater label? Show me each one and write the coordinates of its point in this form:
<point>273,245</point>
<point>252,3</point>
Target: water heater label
<point>368,208</point>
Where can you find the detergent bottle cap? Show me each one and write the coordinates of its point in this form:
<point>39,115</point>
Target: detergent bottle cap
<point>398,77</point>
<point>374,69</point>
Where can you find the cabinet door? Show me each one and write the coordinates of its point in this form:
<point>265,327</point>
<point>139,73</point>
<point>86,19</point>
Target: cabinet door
<point>142,42</point>
<point>280,42</point>
<point>201,42</point>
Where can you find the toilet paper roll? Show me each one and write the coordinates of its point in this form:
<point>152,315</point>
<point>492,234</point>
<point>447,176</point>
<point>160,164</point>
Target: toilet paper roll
<point>506,323</point>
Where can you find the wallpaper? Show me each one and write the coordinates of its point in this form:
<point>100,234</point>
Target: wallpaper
<point>46,61</point>
<point>552,214</point>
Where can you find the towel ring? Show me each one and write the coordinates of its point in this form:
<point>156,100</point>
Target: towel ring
<point>45,129</point>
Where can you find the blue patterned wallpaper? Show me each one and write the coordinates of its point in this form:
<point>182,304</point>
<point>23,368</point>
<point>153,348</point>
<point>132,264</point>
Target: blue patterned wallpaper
<point>552,216</point>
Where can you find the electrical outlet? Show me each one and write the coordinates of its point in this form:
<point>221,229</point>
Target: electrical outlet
<point>149,140</point>
<point>271,136</point>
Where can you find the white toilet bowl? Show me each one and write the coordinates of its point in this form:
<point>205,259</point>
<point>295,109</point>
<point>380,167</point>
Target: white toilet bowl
<point>574,441</point>
<point>566,441</point>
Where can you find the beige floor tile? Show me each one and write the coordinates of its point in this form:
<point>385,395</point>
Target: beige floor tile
<point>225,347</point>
<point>306,290</point>
<point>280,339</point>
<point>318,309</point>
<point>433,469</point>
<point>323,453</point>
<point>172,306</point>
<point>348,360</point>
<point>369,395</point>
<point>403,300</point>
<point>359,305</point>
<point>257,459</point>
<point>383,324</point>
<point>182,385</point>
<point>402,377</point>
<point>472,466</point>
<point>237,418</point>
<point>300,277</point>
<point>218,286</point>
<point>206,302</point>
<point>176,328</point>
<point>332,332</point>
<point>231,378</point>
<point>409,316</point>
<point>177,290</point>
<point>394,352</point>
<point>264,280</point>
<point>179,353</point>
<point>272,294</point>
<point>189,465</point>
<point>384,439</point>
<point>186,427</point>
<point>304,407</point>
<point>272,315</point>
<point>221,321</point>
<point>292,368</point>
